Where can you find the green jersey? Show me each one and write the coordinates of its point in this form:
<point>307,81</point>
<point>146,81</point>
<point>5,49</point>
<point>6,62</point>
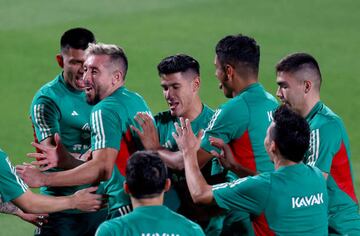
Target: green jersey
<point>330,152</point>
<point>110,128</point>
<point>292,200</point>
<point>58,108</point>
<point>150,220</point>
<point>11,186</point>
<point>242,123</point>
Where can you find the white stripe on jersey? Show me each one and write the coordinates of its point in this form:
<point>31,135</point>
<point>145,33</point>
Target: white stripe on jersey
<point>212,121</point>
<point>230,184</point>
<point>40,121</point>
<point>23,186</point>
<point>98,129</point>
<point>314,147</point>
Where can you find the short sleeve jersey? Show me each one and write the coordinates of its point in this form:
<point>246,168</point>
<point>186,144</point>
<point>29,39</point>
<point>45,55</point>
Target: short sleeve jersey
<point>11,186</point>
<point>110,128</point>
<point>242,123</point>
<point>330,152</point>
<point>58,108</point>
<point>293,200</point>
<point>150,220</point>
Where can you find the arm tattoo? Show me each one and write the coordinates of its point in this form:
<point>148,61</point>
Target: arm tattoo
<point>8,208</point>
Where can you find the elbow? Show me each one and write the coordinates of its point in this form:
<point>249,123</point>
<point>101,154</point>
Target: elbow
<point>201,197</point>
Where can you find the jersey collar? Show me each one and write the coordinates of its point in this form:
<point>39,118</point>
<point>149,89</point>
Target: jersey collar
<point>314,110</point>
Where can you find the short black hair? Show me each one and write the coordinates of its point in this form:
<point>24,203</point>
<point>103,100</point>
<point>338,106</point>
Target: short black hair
<point>298,61</point>
<point>291,134</point>
<point>76,38</point>
<point>146,174</point>
<point>240,51</point>
<point>178,63</point>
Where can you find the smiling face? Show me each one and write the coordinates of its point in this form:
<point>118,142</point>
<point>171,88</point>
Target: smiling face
<point>71,60</point>
<point>98,77</point>
<point>291,91</point>
<point>180,90</point>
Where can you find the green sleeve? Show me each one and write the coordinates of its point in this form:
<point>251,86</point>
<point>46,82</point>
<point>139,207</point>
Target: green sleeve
<point>11,186</point>
<point>106,130</point>
<point>227,123</point>
<point>248,194</point>
<point>45,117</point>
<point>324,144</point>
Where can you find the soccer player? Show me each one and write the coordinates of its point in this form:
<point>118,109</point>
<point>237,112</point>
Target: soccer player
<point>243,120</point>
<point>60,107</point>
<point>13,189</point>
<point>112,141</point>
<point>299,81</point>
<point>180,81</point>
<point>293,198</point>
<point>146,182</point>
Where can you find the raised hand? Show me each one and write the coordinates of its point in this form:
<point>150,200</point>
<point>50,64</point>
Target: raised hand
<point>31,175</point>
<point>49,156</point>
<point>149,134</point>
<point>185,138</point>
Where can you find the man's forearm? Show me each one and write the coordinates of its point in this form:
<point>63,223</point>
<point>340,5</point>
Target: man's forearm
<point>173,160</point>
<point>8,208</point>
<point>87,173</point>
<point>200,191</point>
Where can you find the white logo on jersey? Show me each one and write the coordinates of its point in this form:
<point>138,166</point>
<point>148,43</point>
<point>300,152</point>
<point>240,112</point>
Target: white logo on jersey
<point>86,127</point>
<point>74,113</point>
<point>315,199</point>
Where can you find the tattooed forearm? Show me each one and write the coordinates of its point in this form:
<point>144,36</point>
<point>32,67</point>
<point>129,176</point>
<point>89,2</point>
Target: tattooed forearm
<point>8,208</point>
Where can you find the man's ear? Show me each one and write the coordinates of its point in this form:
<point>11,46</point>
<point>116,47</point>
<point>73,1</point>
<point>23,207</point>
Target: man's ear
<point>229,71</point>
<point>307,86</point>
<point>167,185</point>
<point>118,76</point>
<point>196,83</point>
<point>60,60</point>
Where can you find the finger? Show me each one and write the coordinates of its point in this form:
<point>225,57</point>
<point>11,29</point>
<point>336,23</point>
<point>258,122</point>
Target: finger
<point>57,139</point>
<point>175,136</point>
<point>188,126</point>
<point>200,134</point>
<point>178,129</point>
<point>138,119</point>
<point>40,163</point>
<point>36,155</point>
<point>136,130</point>
<point>45,168</point>
<point>182,123</point>
<point>215,153</point>
<point>91,189</point>
<point>39,146</point>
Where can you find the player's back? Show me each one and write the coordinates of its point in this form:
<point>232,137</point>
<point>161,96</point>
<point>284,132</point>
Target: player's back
<point>297,201</point>
<point>150,220</point>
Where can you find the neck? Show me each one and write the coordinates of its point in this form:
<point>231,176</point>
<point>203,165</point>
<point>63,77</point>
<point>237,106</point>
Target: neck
<point>279,161</point>
<point>309,106</point>
<point>111,90</point>
<point>241,84</point>
<point>195,110</point>
<point>155,201</point>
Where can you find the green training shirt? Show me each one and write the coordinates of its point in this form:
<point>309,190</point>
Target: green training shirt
<point>11,186</point>
<point>110,128</point>
<point>292,200</point>
<point>59,108</point>
<point>149,221</point>
<point>330,152</point>
<point>242,122</point>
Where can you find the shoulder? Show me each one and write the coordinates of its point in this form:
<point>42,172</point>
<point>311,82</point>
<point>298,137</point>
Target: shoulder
<point>188,224</point>
<point>114,226</point>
